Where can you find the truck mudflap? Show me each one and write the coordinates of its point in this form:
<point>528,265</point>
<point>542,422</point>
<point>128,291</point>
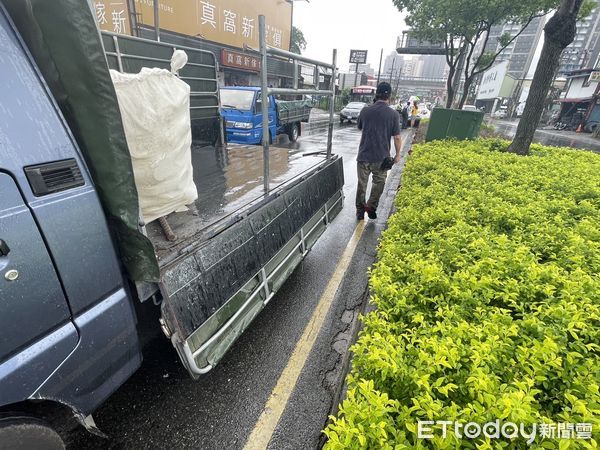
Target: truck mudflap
<point>211,294</point>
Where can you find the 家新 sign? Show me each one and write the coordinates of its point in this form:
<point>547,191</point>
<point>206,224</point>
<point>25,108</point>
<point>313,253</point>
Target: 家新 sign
<point>358,56</point>
<point>113,15</point>
<point>240,61</point>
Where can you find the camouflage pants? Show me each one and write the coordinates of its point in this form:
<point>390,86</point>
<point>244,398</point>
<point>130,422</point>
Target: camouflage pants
<point>379,177</point>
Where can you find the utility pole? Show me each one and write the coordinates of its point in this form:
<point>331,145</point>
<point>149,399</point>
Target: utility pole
<point>156,21</point>
<point>398,82</point>
<point>135,28</point>
<point>379,72</point>
<point>356,75</point>
<point>392,71</point>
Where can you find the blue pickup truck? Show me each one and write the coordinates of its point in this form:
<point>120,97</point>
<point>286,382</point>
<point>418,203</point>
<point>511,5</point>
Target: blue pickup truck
<point>241,108</point>
<point>85,284</point>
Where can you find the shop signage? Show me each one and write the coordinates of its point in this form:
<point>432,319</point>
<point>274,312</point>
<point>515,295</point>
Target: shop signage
<point>228,22</point>
<point>240,61</point>
<point>491,82</point>
<point>113,16</point>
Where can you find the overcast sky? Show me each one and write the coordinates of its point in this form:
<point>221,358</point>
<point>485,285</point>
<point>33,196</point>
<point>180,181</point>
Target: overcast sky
<point>348,24</point>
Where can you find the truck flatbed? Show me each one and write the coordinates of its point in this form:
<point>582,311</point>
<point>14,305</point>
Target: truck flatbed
<point>236,246</point>
<point>230,184</point>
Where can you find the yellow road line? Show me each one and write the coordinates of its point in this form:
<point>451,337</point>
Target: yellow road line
<point>265,427</point>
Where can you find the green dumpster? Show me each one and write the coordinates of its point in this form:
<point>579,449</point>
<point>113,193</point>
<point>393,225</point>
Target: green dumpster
<point>454,123</point>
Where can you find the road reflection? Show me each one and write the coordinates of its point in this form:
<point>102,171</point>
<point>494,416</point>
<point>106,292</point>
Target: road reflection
<point>552,137</point>
<point>228,180</point>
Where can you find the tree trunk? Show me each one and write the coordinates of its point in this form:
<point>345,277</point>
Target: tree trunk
<point>465,94</point>
<point>450,88</point>
<point>559,32</point>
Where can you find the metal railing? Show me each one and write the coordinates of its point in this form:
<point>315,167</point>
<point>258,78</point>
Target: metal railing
<point>265,51</point>
<point>200,71</point>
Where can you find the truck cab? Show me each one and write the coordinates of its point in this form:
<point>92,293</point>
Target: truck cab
<point>66,313</point>
<point>242,110</point>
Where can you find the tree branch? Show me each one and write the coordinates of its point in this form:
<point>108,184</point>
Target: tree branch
<point>472,49</point>
<point>449,54</point>
<point>485,41</point>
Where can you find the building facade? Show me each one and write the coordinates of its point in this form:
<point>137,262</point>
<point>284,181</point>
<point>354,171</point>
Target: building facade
<point>350,80</point>
<point>521,52</point>
<point>583,52</point>
<point>392,62</point>
<point>363,68</point>
<point>434,66</point>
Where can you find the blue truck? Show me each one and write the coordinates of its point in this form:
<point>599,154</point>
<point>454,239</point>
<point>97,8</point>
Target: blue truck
<point>241,108</point>
<point>83,281</point>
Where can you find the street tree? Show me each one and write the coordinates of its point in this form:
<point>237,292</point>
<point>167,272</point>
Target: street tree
<point>464,26</point>
<point>298,42</point>
<point>559,32</point>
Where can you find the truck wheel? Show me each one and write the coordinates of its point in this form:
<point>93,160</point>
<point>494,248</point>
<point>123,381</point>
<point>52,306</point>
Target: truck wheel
<point>270,139</point>
<point>341,120</point>
<point>28,432</point>
<point>294,133</point>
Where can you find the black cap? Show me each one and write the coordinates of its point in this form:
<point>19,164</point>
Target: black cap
<point>384,88</point>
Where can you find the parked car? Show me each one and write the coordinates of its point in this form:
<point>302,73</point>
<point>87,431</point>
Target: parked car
<point>351,111</point>
<point>469,108</point>
<point>500,114</point>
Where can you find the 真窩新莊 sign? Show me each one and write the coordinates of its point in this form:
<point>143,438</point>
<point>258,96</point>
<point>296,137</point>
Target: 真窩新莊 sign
<point>228,22</point>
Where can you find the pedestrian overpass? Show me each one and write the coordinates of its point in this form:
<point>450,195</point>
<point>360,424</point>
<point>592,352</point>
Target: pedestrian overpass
<point>420,86</point>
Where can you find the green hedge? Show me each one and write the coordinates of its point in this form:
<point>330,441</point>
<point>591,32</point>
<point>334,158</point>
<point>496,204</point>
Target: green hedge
<point>487,290</point>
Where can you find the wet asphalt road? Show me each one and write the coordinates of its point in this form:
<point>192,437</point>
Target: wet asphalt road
<point>161,406</point>
<point>551,137</point>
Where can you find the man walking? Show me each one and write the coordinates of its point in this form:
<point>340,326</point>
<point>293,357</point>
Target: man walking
<point>405,112</point>
<point>379,123</point>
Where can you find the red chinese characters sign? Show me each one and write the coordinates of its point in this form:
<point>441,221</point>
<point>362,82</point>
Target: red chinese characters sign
<point>240,61</point>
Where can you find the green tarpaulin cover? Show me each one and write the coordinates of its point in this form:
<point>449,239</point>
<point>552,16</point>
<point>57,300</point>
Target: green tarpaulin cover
<point>65,43</point>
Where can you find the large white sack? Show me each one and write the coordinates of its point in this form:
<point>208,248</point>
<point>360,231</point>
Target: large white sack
<point>155,106</point>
